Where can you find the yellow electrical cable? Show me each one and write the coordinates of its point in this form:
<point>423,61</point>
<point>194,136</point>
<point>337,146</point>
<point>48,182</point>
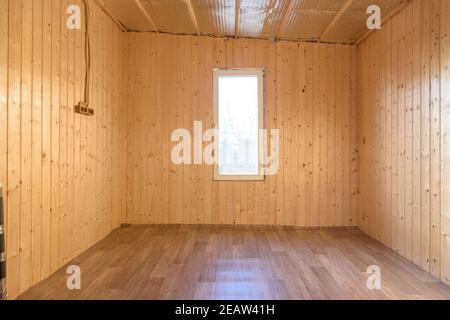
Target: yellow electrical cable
<point>87,54</point>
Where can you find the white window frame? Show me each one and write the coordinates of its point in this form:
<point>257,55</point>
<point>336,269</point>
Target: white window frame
<point>259,73</point>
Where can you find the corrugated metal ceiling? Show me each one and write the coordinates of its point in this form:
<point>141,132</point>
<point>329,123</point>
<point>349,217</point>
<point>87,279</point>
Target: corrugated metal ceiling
<point>335,21</point>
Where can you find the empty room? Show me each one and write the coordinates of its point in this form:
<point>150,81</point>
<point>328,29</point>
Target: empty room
<point>224,150</point>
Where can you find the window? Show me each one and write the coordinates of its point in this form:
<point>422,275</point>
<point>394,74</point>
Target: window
<point>238,104</point>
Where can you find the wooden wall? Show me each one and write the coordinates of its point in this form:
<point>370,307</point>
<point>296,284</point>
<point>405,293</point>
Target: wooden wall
<point>310,96</point>
<point>62,172</point>
<point>445,141</point>
<point>71,179</point>
<point>403,135</point>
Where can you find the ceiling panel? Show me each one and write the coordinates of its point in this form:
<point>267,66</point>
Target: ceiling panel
<point>307,19</point>
<point>129,14</point>
<point>347,29</point>
<point>170,16</point>
<point>353,23</point>
<point>267,19</point>
<point>322,5</point>
<point>251,18</point>
<point>305,25</point>
<point>215,17</point>
<point>261,18</point>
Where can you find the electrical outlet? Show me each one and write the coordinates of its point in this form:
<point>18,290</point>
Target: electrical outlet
<point>83,108</point>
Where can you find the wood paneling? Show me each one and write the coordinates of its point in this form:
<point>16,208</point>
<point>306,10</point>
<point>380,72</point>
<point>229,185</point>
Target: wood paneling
<point>403,135</point>
<point>445,142</point>
<point>62,171</point>
<point>71,179</point>
<point>310,97</point>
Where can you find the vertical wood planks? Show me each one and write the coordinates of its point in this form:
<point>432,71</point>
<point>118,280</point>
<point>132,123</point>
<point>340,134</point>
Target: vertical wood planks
<point>445,142</point>
<point>36,141</point>
<point>14,152</point>
<point>46,137</point>
<point>43,144</point>
<point>435,115</point>
<point>415,138</point>
<point>425,136</point>
<point>4,93</point>
<point>25,146</point>
<point>318,149</point>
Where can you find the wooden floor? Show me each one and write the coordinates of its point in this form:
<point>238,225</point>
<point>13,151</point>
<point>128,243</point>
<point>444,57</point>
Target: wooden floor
<point>217,262</point>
